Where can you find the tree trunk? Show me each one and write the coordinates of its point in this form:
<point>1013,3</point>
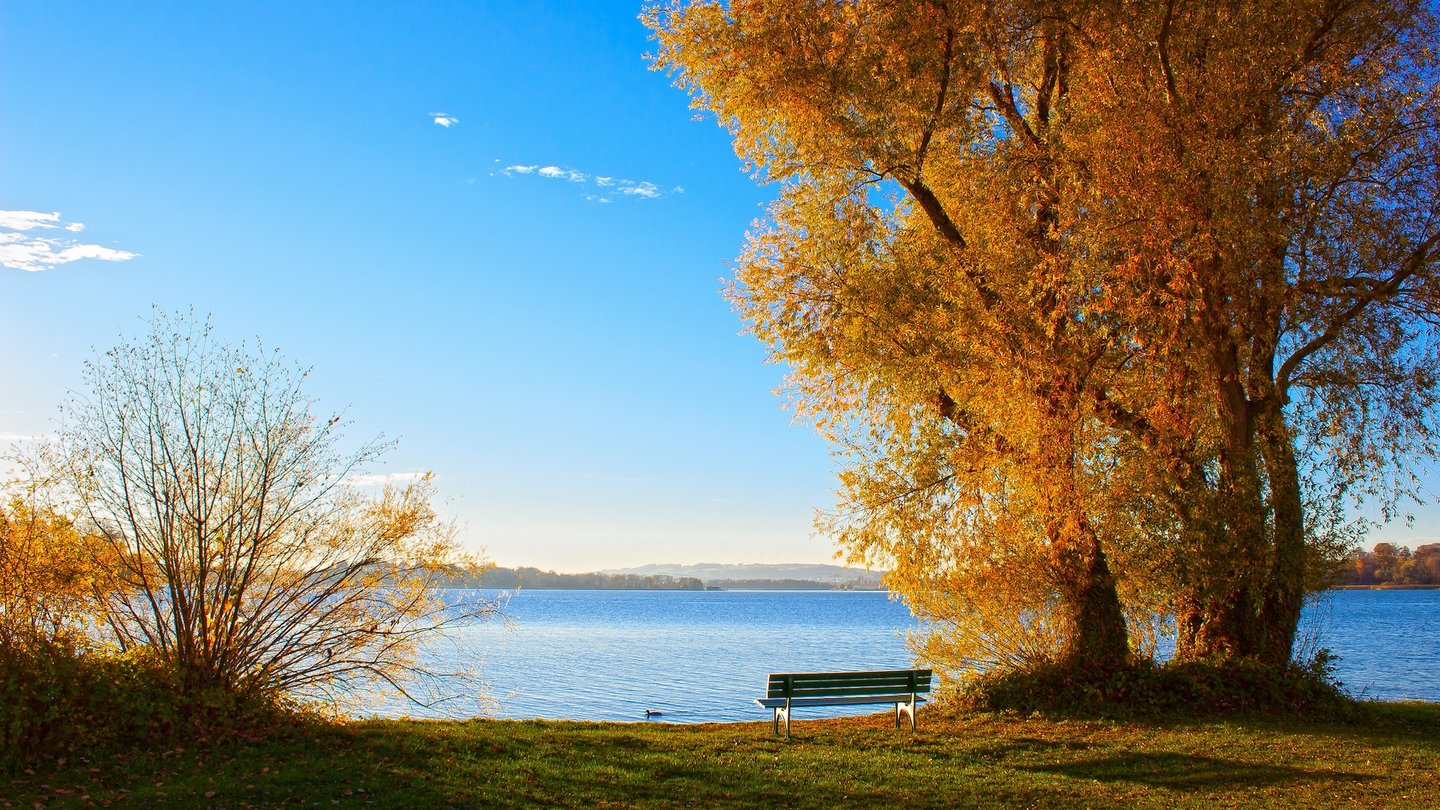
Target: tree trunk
<point>1219,615</point>
<point>1099,642</point>
<point>1285,589</point>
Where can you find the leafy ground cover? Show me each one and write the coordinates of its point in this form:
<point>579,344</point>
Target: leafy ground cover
<point>1386,758</point>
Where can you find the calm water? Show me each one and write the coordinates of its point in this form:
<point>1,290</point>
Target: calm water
<point>702,656</point>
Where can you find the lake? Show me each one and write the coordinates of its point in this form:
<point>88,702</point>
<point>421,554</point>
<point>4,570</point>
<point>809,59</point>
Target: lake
<point>702,656</point>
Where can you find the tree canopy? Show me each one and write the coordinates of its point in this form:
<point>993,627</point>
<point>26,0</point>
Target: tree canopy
<point>1112,307</point>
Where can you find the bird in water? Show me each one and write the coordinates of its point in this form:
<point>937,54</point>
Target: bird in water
<point>652,713</point>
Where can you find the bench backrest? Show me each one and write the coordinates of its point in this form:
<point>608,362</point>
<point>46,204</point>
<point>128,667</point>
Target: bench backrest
<point>848,684</point>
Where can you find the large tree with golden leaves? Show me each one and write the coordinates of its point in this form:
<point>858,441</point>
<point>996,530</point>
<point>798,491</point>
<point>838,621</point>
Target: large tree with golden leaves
<point>1108,301</point>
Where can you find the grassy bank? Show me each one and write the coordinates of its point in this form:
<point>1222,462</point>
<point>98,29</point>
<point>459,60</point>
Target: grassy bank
<point>1387,760</point>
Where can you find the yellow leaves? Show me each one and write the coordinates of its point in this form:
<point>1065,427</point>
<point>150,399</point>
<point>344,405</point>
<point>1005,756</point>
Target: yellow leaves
<point>1116,223</point>
<point>50,572</point>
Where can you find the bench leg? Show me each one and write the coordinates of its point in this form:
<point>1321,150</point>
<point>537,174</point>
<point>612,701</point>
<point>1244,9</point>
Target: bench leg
<point>785,713</point>
<point>907,708</point>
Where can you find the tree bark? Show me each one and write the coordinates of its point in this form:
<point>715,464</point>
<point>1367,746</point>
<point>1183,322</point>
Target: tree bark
<point>1099,642</point>
<point>1219,614</point>
<point>1285,589</point>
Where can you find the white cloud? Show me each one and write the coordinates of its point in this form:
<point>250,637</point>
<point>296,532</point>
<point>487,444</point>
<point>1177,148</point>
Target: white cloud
<point>557,173</point>
<point>26,220</point>
<point>20,250</point>
<point>383,479</point>
<point>644,189</point>
<point>606,185</point>
<point>445,119</point>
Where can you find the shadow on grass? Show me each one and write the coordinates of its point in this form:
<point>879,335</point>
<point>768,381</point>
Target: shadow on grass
<point>1189,772</point>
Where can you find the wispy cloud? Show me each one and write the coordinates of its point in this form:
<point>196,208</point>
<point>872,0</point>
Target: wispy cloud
<point>606,186</point>
<point>564,174</point>
<point>29,220</point>
<point>383,479</point>
<point>22,250</point>
<point>444,119</point>
<point>642,189</point>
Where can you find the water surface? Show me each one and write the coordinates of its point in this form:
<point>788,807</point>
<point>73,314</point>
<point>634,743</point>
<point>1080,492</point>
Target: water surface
<point>700,656</point>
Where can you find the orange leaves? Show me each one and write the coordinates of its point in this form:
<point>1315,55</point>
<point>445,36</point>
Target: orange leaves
<point>49,572</point>
<point>1139,271</point>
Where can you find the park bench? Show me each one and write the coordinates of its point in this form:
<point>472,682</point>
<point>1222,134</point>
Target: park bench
<point>789,690</point>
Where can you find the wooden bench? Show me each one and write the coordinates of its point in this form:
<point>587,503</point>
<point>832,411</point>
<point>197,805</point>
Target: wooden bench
<point>902,687</point>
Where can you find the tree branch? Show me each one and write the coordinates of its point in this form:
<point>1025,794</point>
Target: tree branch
<point>1414,263</point>
<point>1162,44</point>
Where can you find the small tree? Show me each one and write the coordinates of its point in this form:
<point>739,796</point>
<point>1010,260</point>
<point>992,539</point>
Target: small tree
<point>243,553</point>
<point>48,570</point>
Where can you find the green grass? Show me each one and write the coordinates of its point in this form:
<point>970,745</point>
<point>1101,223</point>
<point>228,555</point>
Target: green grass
<point>1388,759</point>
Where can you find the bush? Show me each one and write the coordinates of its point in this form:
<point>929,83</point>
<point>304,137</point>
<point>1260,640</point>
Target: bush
<point>1196,688</point>
<point>59,701</point>
<point>239,539</point>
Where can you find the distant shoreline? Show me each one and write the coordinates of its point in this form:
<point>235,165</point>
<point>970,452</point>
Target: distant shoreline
<point>707,577</point>
<point>820,588</point>
<point>1386,587</point>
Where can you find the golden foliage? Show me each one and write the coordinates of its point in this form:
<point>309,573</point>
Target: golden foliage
<point>1124,295</point>
<point>50,572</point>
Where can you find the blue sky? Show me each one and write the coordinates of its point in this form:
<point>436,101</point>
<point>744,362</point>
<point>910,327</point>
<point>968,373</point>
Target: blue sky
<point>552,344</point>
<point>489,227</point>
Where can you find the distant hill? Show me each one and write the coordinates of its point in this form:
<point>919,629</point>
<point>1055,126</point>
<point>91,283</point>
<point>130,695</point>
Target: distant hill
<point>716,573</point>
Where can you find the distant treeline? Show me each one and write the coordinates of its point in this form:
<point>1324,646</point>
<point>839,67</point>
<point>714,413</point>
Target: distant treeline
<point>789,585</point>
<point>535,578</point>
<point>509,578</point>
<point>1389,564</point>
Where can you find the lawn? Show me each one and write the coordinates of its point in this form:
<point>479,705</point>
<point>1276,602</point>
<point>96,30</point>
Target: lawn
<point>1387,760</point>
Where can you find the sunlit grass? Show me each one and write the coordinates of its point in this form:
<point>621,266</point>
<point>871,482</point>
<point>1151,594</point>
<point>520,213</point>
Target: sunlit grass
<point>955,760</point>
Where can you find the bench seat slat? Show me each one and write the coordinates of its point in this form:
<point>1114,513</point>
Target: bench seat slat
<point>811,686</point>
<point>854,683</point>
<point>848,681</point>
<point>844,691</point>
<point>873,673</point>
<point>853,701</point>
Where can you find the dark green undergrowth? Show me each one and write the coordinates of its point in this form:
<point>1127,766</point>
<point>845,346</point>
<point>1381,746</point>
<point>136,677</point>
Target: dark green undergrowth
<point>1188,689</point>
<point>103,731</point>
<point>60,702</point>
<point>957,759</point>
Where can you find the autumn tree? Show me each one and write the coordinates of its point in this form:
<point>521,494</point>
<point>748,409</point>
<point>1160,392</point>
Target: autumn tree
<point>1281,165</point>
<point>49,570</point>
<point>1125,298</point>
<point>243,553</point>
